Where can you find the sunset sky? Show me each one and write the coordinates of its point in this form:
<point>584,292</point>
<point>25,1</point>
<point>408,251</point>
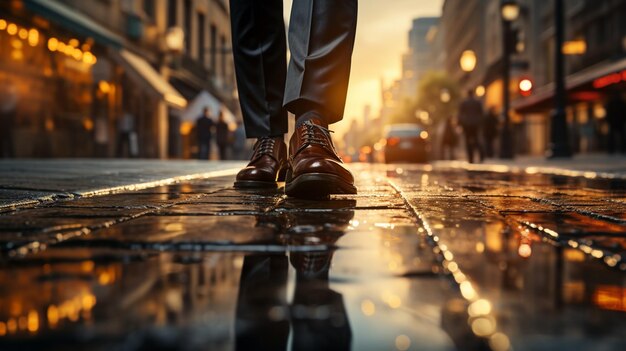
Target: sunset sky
<point>382,34</point>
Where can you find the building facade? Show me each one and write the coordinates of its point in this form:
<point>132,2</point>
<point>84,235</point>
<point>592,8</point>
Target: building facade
<point>419,58</point>
<point>595,57</point>
<point>595,51</point>
<point>104,78</point>
<point>463,28</point>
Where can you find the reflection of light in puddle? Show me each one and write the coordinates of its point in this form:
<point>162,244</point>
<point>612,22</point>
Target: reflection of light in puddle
<point>33,321</point>
<point>499,341</point>
<point>524,250</point>
<point>597,253</point>
<point>483,326</point>
<point>479,308</point>
<point>368,307</point>
<point>53,316</point>
<point>403,342</point>
<point>392,300</point>
<point>173,227</point>
<point>87,266</point>
<point>12,325</point>
<point>384,225</point>
<point>480,247</point>
<point>468,291</point>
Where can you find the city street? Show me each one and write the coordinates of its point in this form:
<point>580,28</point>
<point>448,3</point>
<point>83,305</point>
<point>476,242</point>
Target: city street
<point>148,255</point>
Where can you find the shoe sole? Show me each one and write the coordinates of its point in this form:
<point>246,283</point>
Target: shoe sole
<point>317,186</point>
<point>255,184</point>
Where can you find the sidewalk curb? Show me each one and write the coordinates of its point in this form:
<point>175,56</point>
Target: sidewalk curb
<point>52,197</point>
<point>547,170</point>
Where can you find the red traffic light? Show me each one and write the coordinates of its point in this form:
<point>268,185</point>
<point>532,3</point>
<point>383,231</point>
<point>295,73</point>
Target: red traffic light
<point>525,87</point>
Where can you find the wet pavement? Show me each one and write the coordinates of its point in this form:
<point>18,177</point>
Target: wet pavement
<point>421,259</point>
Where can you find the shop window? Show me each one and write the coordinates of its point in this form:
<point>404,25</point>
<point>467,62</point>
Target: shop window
<point>213,49</point>
<point>201,39</point>
<point>172,13</point>
<point>223,57</point>
<point>148,9</point>
<point>187,25</point>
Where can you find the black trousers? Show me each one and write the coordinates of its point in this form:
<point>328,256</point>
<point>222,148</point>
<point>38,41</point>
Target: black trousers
<point>321,40</point>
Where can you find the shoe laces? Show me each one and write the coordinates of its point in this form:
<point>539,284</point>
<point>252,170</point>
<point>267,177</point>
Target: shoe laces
<point>311,137</point>
<point>265,146</point>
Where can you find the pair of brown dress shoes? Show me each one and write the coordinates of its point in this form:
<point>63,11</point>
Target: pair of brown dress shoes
<point>312,170</point>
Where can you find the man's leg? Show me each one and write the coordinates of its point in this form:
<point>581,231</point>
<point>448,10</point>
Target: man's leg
<point>262,290</point>
<point>321,39</point>
<point>469,144</point>
<point>202,151</point>
<point>260,53</point>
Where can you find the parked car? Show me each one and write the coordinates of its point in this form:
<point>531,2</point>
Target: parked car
<point>406,143</point>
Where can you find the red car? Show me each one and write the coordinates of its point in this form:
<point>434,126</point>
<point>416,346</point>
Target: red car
<point>406,143</point>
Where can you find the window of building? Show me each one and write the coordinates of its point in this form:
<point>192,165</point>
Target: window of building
<point>213,49</point>
<point>172,13</point>
<point>201,39</point>
<point>223,57</point>
<point>187,25</point>
<point>148,8</point>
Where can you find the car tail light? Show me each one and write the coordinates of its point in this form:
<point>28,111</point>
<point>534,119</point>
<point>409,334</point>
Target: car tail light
<point>393,141</point>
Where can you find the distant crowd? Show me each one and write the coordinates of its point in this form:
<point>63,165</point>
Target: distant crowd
<point>231,144</point>
<point>481,130</point>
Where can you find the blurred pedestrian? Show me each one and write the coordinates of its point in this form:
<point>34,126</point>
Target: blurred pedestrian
<point>449,139</point>
<point>222,136</point>
<point>9,99</point>
<point>127,143</point>
<point>204,126</point>
<point>239,142</point>
<point>491,127</point>
<point>471,120</point>
<point>101,135</point>
<point>615,116</point>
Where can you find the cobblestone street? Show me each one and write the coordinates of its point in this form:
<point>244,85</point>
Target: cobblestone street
<point>423,258</point>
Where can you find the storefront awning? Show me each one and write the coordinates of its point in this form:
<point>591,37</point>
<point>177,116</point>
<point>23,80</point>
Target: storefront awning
<point>144,74</point>
<point>206,99</point>
<point>583,80</point>
<point>74,21</point>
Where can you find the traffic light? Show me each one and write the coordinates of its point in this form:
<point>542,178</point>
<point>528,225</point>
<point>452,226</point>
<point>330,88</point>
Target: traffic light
<point>525,87</point>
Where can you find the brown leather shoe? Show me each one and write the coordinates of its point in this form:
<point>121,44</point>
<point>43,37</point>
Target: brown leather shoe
<point>267,166</point>
<point>315,170</point>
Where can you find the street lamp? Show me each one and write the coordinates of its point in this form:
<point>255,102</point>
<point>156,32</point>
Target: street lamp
<point>510,11</point>
<point>175,40</point>
<point>559,144</point>
<point>468,61</point>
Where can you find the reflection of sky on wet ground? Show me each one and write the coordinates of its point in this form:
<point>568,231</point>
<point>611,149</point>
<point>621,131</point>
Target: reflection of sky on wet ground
<point>418,260</point>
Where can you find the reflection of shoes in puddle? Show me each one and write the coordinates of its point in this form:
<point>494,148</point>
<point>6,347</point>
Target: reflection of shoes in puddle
<point>311,265</point>
<point>316,228</point>
<point>276,222</point>
<point>291,204</point>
